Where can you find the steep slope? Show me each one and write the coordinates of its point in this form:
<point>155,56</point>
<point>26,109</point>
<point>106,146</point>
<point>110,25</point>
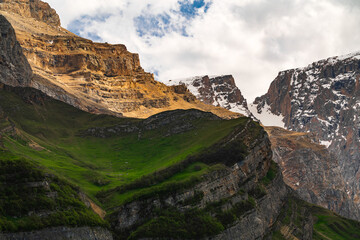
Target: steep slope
<point>95,77</point>
<point>311,170</point>
<point>182,173</point>
<point>14,67</point>
<point>324,98</point>
<point>32,199</point>
<point>193,154</point>
<point>219,91</point>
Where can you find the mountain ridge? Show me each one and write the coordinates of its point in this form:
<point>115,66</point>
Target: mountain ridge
<point>95,77</point>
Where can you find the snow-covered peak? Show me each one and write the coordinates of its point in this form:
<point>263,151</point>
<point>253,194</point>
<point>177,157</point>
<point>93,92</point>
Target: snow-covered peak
<point>216,90</point>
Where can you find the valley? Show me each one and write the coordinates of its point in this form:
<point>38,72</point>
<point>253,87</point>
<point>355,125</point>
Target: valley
<point>93,147</point>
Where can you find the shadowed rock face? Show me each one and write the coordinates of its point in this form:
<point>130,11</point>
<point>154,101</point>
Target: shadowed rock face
<point>324,98</point>
<point>311,170</point>
<point>95,77</point>
<point>14,67</point>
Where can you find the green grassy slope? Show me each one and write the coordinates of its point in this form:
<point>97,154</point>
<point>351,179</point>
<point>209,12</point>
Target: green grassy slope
<point>325,224</point>
<point>51,133</point>
<point>32,199</point>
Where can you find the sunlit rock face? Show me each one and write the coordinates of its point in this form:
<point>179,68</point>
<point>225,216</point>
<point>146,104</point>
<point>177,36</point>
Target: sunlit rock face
<point>96,77</point>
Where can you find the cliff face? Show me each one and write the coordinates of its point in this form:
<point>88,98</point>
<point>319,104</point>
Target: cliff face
<point>324,98</point>
<point>95,77</point>
<point>311,170</point>
<point>219,91</point>
<point>14,68</point>
<point>32,9</point>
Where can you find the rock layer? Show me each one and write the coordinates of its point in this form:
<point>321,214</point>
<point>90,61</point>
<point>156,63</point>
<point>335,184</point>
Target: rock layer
<point>95,77</point>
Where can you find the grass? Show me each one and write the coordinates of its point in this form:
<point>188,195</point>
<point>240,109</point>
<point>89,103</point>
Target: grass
<point>330,225</point>
<point>31,199</point>
<point>327,225</point>
<point>94,163</point>
<point>191,224</point>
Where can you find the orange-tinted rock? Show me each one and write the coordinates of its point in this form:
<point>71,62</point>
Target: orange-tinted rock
<point>95,77</point>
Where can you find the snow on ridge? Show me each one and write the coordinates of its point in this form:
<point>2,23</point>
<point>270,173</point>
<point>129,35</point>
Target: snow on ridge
<point>325,61</point>
<point>266,117</point>
<point>220,98</point>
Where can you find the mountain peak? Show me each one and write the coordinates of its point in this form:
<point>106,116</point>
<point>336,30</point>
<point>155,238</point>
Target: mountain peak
<point>216,90</point>
<point>36,9</point>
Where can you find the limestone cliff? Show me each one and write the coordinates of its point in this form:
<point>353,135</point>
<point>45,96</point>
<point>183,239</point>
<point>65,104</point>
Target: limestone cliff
<point>95,77</point>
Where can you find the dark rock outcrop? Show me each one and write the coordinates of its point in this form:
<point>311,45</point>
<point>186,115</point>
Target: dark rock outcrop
<point>14,67</point>
<point>60,233</point>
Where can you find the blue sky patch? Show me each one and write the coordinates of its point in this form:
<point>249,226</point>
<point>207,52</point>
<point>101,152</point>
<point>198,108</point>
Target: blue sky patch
<point>77,26</point>
<point>190,9</point>
<point>159,25</point>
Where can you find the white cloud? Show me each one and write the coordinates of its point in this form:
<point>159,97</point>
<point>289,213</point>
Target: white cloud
<point>251,39</point>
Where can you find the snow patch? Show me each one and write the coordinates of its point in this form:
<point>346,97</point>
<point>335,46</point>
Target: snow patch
<point>325,143</point>
<point>266,117</point>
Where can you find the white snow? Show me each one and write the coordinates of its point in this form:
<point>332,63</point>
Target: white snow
<point>325,143</point>
<point>266,117</point>
<point>220,98</point>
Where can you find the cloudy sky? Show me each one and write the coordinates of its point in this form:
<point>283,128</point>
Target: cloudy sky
<point>250,39</point>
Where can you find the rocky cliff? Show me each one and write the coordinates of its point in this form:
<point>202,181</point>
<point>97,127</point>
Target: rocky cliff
<point>14,67</point>
<point>95,77</point>
<point>219,91</point>
<point>311,170</point>
<point>324,98</point>
<point>60,233</point>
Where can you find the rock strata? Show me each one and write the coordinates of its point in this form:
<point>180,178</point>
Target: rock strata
<point>99,78</point>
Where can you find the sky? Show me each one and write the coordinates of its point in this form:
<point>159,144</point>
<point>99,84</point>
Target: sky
<point>251,39</point>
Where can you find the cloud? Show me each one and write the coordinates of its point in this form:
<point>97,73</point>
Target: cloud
<point>251,39</point>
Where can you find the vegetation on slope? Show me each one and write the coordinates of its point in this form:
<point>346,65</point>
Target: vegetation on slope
<point>324,224</point>
<point>51,133</point>
<point>32,199</point>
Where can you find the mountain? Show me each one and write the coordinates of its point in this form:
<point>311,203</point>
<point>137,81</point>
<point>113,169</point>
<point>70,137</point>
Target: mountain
<point>324,98</point>
<point>315,172</point>
<point>183,173</point>
<point>311,170</point>
<point>73,174</point>
<point>219,91</point>
<point>95,77</point>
